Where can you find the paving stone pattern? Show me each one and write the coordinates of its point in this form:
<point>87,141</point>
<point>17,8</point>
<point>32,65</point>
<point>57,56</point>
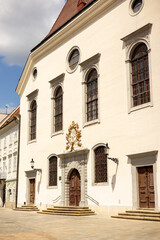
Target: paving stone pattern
<point>15,225</point>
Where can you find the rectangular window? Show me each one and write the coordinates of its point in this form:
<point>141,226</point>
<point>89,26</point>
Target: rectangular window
<point>53,171</point>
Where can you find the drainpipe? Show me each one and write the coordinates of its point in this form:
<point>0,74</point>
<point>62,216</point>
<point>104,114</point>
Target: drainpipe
<point>17,177</point>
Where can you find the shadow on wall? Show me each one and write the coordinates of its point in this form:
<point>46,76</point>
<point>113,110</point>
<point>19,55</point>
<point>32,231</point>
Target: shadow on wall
<point>113,182</point>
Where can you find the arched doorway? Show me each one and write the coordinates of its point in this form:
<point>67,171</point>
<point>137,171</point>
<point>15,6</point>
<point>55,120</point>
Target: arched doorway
<point>74,188</point>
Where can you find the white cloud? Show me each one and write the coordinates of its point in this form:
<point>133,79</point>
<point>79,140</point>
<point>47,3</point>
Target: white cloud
<point>23,24</point>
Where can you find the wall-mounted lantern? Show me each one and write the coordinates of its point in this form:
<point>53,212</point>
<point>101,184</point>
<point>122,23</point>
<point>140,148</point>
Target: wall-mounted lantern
<point>32,162</point>
<point>107,154</point>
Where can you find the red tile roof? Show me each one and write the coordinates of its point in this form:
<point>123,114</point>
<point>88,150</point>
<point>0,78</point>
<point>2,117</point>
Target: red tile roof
<point>70,9</point>
<point>10,117</point>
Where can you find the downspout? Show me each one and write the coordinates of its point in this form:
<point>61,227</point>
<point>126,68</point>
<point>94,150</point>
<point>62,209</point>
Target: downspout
<point>17,177</point>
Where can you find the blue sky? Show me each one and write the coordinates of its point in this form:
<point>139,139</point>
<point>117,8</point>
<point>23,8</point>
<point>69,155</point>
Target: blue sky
<point>9,76</point>
<point>23,24</point>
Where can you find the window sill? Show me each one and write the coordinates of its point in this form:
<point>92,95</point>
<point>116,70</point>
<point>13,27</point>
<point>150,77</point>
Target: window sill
<point>52,187</point>
<point>100,184</point>
<point>57,133</point>
<point>145,105</point>
<point>32,141</point>
<point>96,121</point>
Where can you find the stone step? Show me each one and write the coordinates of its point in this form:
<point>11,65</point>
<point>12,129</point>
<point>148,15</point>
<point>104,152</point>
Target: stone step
<point>140,214</point>
<point>66,214</point>
<point>145,218</point>
<point>143,211</point>
<point>26,208</point>
<point>71,207</point>
<point>67,211</point>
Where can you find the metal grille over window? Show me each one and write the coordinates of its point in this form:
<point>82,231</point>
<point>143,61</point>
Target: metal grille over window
<point>92,95</point>
<point>100,165</point>
<point>53,171</point>
<point>74,59</point>
<point>58,109</point>
<point>140,75</point>
<point>33,115</point>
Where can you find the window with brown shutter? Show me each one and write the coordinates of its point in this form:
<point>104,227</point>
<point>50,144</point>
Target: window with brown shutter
<point>100,165</point>
<point>140,75</point>
<point>53,171</point>
<point>92,95</point>
<point>58,117</point>
<point>33,116</point>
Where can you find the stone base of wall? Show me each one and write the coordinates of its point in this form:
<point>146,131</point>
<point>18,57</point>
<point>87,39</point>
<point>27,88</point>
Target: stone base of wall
<point>10,205</point>
<point>109,210</point>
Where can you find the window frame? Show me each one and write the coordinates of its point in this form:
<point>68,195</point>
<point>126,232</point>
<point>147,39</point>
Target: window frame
<point>33,96</point>
<point>69,70</point>
<point>131,12</point>
<point>141,35</point>
<point>33,112</point>
<point>54,84</point>
<point>131,107</point>
<point>54,186</point>
<point>86,67</point>
<point>135,63</point>
<point>56,103</point>
<point>89,83</point>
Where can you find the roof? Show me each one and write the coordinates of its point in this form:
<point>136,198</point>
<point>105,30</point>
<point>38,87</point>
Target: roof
<point>10,117</point>
<point>70,10</point>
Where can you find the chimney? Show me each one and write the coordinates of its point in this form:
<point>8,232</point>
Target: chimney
<point>81,4</point>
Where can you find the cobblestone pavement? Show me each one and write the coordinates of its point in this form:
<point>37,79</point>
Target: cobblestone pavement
<point>16,225</point>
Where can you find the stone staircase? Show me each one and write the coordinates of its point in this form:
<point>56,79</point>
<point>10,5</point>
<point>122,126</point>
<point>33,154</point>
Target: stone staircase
<point>68,211</point>
<point>140,214</point>
<point>27,208</point>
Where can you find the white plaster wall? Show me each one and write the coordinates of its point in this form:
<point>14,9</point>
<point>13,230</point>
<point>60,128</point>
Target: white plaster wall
<point>126,133</point>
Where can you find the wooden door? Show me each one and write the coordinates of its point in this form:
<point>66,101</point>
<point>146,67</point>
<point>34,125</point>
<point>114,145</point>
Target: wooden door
<point>74,188</point>
<point>146,187</point>
<point>32,190</point>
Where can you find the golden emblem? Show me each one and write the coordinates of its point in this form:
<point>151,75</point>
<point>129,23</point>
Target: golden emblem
<point>73,137</point>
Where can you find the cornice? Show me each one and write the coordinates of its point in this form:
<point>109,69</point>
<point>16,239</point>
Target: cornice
<point>61,35</point>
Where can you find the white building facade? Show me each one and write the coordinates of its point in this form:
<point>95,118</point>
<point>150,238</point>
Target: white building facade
<point>8,159</point>
<point>93,80</point>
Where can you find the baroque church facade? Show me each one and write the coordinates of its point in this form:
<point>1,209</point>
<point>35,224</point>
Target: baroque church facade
<point>90,109</point>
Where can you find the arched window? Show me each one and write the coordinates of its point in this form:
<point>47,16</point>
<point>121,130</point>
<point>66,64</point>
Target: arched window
<point>53,171</point>
<point>92,95</point>
<point>100,165</point>
<point>140,75</point>
<point>58,116</point>
<point>33,116</point>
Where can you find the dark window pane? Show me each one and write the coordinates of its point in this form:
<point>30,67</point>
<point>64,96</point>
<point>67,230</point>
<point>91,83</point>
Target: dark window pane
<point>58,109</point>
<point>100,165</point>
<point>74,59</point>
<point>33,115</point>
<point>140,75</point>
<point>53,171</point>
<point>92,95</point>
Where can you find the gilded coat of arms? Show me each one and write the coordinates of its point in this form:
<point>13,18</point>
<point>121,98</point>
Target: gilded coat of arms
<point>73,137</point>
